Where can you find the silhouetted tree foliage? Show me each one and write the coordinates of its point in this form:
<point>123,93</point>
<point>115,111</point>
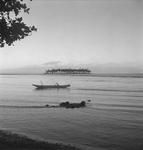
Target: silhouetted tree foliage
<point>72,71</point>
<point>12,27</point>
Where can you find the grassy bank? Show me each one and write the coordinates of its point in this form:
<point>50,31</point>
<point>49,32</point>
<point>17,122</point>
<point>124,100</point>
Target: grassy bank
<point>10,141</point>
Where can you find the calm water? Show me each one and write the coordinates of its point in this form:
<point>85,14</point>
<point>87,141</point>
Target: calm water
<point>112,120</point>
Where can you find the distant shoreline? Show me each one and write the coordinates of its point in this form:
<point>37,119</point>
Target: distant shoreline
<point>68,71</point>
<point>121,75</point>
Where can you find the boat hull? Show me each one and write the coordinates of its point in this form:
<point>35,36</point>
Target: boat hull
<point>51,86</point>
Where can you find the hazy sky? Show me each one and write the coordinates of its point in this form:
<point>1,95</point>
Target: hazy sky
<point>80,31</point>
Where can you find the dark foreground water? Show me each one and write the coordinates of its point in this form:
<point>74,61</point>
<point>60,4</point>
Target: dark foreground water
<point>112,120</point>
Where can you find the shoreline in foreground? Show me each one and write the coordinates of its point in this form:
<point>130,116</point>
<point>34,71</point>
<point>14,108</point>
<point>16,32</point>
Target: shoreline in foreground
<point>13,141</point>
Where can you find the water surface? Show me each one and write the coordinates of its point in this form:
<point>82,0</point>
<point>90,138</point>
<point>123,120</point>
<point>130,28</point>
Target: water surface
<point>112,120</point>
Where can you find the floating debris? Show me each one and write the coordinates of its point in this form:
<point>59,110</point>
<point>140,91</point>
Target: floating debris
<point>68,105</point>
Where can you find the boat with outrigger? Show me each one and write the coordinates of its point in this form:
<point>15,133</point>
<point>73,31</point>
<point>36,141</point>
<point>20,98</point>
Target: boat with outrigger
<point>56,86</point>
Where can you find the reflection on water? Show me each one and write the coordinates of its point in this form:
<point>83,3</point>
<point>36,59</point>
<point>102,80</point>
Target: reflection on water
<point>112,120</point>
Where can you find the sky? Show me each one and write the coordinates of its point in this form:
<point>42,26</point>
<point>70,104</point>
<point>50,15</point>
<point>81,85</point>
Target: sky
<point>80,32</point>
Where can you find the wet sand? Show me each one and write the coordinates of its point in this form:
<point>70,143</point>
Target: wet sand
<point>11,141</point>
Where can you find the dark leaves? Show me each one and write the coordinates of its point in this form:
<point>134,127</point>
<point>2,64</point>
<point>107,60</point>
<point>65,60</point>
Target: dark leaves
<point>13,28</point>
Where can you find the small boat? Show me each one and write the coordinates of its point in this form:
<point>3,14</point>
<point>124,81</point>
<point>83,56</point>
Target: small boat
<point>56,86</point>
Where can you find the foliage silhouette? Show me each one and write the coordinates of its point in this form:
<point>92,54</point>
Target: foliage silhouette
<point>12,27</point>
<point>68,71</point>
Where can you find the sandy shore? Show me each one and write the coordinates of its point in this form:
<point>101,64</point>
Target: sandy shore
<point>11,141</point>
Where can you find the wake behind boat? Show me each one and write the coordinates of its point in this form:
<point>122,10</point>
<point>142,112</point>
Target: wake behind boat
<point>56,86</point>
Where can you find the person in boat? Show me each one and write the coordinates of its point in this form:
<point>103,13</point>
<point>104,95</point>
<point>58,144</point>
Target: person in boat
<point>57,84</point>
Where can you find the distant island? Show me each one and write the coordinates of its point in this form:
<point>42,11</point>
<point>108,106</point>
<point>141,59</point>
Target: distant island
<point>68,71</point>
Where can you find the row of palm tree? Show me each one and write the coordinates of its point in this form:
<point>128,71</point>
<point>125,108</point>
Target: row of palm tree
<point>68,70</point>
